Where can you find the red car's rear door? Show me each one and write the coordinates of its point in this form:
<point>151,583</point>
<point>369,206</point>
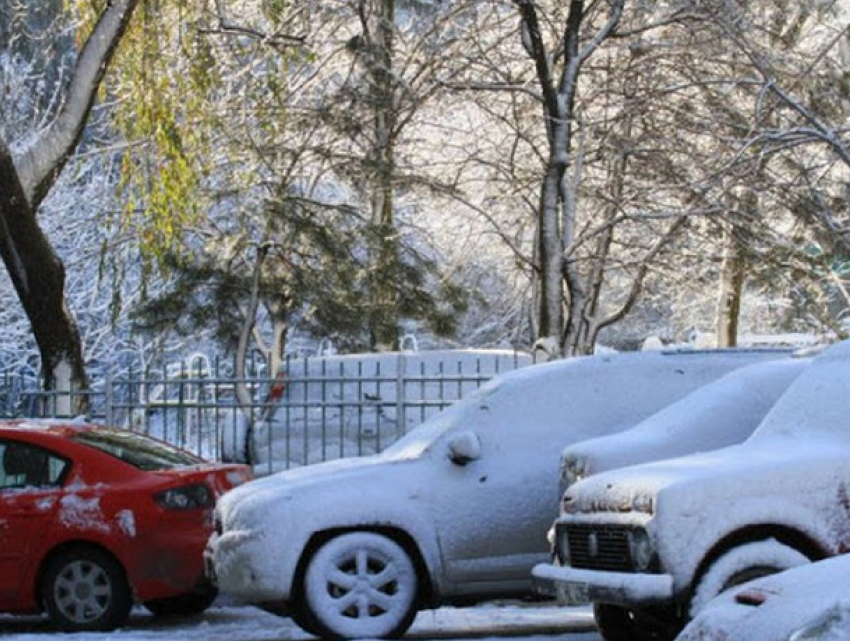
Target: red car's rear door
<point>30,491</point>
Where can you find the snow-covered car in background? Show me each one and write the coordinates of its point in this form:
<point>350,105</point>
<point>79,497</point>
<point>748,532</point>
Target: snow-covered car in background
<point>456,510</point>
<point>651,544</point>
<point>721,413</point>
<point>93,518</point>
<point>801,604</point>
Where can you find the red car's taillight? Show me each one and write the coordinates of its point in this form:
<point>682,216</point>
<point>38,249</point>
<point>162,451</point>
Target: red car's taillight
<point>188,497</point>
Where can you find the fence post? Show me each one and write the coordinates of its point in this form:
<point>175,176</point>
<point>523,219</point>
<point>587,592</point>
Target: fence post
<point>109,417</point>
<point>400,395</point>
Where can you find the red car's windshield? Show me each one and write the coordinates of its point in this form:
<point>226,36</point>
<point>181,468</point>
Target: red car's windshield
<point>137,450</point>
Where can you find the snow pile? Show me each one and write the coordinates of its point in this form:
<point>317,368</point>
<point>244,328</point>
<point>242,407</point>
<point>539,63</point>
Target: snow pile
<point>127,522</point>
<point>771,553</point>
<point>817,403</point>
<point>80,513</point>
<point>230,623</point>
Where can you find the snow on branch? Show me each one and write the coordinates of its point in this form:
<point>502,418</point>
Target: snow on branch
<point>42,161</point>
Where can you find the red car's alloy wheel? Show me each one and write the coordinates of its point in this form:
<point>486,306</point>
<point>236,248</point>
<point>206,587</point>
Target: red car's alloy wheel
<point>85,590</point>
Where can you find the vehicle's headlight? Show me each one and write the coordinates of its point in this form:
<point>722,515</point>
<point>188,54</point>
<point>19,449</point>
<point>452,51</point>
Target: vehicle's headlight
<point>189,497</point>
<point>643,503</point>
<point>641,550</point>
<point>562,546</point>
<point>573,470</point>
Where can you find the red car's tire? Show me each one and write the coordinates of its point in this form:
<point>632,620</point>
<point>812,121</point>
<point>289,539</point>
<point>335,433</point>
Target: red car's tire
<point>85,590</point>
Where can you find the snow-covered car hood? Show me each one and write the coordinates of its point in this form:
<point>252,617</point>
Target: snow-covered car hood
<point>760,467</point>
<point>252,503</point>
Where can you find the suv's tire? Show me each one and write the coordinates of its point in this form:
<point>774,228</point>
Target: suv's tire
<point>85,590</point>
<point>357,585</point>
<point>619,623</point>
<point>743,563</point>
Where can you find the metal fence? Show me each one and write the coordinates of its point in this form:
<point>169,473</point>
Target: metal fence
<point>312,410</point>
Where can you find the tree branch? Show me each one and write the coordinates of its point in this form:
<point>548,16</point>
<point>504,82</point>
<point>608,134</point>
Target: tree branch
<point>643,270</point>
<point>39,165</point>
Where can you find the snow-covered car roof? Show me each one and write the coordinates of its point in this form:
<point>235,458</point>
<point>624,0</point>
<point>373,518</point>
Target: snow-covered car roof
<point>583,388</point>
<point>721,413</point>
<point>808,602</point>
<point>817,403</point>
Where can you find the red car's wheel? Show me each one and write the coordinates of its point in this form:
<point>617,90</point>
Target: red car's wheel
<point>85,590</point>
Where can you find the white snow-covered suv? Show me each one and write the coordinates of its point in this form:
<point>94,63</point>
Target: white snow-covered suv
<point>456,510</point>
<point>651,544</point>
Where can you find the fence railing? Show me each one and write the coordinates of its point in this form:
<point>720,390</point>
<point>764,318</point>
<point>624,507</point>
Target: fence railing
<point>314,409</point>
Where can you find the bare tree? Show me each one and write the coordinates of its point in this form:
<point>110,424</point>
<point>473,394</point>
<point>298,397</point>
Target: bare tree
<point>775,102</point>
<point>598,231</point>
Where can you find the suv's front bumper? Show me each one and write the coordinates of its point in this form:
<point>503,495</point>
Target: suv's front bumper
<point>571,585</point>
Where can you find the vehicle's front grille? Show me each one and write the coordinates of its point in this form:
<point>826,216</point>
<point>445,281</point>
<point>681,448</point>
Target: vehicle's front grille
<point>598,547</point>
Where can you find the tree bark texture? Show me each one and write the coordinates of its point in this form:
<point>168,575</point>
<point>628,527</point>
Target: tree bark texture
<point>731,289</point>
<point>384,314</point>
<point>39,280</point>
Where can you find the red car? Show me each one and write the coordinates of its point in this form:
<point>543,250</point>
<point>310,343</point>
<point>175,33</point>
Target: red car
<point>93,519</point>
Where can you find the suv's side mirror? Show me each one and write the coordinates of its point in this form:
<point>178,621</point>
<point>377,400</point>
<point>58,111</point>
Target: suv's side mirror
<point>464,447</point>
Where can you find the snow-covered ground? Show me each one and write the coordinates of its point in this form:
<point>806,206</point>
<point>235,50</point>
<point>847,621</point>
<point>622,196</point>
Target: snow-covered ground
<point>234,623</point>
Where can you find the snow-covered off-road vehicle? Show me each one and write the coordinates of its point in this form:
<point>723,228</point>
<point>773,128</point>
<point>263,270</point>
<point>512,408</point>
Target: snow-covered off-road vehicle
<point>651,544</point>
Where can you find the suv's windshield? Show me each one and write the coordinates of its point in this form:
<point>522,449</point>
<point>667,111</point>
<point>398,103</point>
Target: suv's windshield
<point>137,450</point>
<point>415,442</point>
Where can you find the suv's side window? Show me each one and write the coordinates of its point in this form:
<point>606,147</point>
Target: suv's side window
<point>25,465</point>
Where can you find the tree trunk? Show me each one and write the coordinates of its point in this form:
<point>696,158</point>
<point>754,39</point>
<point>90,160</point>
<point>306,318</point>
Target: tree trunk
<point>584,323</point>
<point>731,288</point>
<point>558,104</point>
<point>39,280</point>
<point>37,273</point>
<point>559,278</point>
<point>384,315</point>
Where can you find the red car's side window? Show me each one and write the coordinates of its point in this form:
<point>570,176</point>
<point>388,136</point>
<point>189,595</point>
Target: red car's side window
<point>25,465</point>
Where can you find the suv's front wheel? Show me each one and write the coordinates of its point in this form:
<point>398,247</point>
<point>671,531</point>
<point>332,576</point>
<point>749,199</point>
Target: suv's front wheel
<point>358,585</point>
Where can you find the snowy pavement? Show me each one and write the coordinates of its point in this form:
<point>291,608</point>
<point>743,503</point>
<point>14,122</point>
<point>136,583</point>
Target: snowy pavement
<point>232,623</point>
